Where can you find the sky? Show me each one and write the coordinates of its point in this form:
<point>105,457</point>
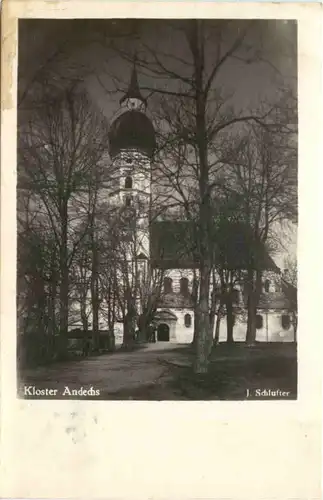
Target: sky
<point>90,50</point>
<point>86,52</point>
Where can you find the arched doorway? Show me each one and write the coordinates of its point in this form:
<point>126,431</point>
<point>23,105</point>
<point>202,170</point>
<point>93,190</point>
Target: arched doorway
<point>163,332</point>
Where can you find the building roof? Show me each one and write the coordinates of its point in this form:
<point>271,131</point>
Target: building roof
<point>290,292</point>
<point>273,300</point>
<point>173,246</point>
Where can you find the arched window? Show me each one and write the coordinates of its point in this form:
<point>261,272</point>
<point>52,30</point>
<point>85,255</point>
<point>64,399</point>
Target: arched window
<point>187,320</point>
<point>128,182</point>
<point>286,321</point>
<point>183,284</point>
<point>267,285</point>
<point>128,201</point>
<point>259,321</point>
<point>168,285</point>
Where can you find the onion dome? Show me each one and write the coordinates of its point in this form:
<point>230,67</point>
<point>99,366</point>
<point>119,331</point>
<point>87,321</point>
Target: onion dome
<point>132,130</point>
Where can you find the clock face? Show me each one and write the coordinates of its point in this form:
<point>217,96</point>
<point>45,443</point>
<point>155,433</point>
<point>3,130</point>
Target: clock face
<point>135,104</point>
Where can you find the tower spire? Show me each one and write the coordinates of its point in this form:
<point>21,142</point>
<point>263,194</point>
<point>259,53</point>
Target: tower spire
<point>133,91</point>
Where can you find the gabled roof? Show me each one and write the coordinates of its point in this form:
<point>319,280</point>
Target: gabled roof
<point>173,246</point>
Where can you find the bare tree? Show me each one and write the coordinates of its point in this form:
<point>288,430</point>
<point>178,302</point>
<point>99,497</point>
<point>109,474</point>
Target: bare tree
<point>262,174</point>
<point>60,148</point>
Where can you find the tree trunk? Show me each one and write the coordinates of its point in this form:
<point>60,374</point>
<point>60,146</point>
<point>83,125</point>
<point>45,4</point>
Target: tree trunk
<point>295,325</point>
<point>204,337</point>
<point>143,327</point>
<point>128,332</point>
<point>112,302</point>
<point>129,323</point>
<point>64,284</point>
<point>229,309</point>
<point>251,323</point>
<point>217,326</point>
<point>204,334</point>
<point>84,317</point>
<point>52,305</point>
<point>63,297</point>
<point>195,308</point>
<point>214,300</point>
<point>254,290</point>
<point>63,312</point>
<point>95,314</point>
<point>41,323</point>
<point>95,302</point>
<point>195,326</point>
<point>212,323</point>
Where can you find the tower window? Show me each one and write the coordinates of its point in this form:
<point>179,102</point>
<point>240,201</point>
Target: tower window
<point>267,285</point>
<point>259,321</point>
<point>183,284</point>
<point>168,285</point>
<point>128,201</point>
<point>129,161</point>
<point>286,321</point>
<point>187,320</point>
<point>128,182</point>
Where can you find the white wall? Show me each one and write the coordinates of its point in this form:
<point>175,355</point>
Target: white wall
<point>272,330</point>
<point>183,334</point>
<point>177,274</point>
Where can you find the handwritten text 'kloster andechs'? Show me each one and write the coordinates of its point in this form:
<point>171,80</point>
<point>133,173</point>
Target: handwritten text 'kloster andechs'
<point>31,390</point>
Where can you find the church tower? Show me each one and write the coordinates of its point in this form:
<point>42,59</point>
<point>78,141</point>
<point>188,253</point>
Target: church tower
<point>132,144</point>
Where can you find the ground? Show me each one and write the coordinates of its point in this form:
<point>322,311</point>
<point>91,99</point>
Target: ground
<point>163,371</point>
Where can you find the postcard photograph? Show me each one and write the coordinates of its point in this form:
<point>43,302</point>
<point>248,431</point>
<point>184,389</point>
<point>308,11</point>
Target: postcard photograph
<point>157,208</point>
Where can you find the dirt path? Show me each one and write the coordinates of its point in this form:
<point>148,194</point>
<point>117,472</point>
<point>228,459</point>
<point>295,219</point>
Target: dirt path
<point>162,371</point>
<point>109,373</point>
